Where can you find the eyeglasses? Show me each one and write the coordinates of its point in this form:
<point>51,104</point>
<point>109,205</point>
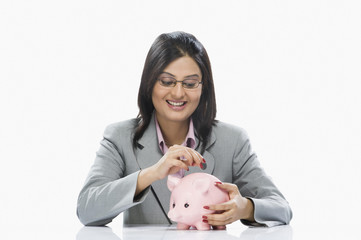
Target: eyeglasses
<point>171,82</point>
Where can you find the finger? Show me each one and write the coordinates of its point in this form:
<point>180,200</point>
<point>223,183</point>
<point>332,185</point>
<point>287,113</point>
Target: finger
<point>196,157</point>
<point>176,165</point>
<point>180,153</point>
<point>199,160</point>
<point>232,189</point>
<point>227,186</point>
<point>220,223</point>
<point>190,158</point>
<point>189,155</point>
<point>218,219</point>
<point>219,207</point>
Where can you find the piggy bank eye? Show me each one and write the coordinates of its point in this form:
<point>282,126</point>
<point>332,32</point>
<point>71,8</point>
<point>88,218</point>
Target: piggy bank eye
<point>173,205</point>
<point>186,205</point>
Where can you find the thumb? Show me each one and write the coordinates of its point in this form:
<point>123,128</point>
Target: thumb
<point>232,189</point>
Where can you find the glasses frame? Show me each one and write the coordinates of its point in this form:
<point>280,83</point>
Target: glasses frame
<point>176,81</point>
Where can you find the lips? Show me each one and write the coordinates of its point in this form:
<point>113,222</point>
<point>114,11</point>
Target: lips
<point>176,103</point>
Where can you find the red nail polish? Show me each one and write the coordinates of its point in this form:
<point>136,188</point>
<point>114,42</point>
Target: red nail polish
<point>218,183</point>
<point>201,165</point>
<point>205,221</point>
<point>204,160</point>
<point>206,207</point>
<point>204,217</point>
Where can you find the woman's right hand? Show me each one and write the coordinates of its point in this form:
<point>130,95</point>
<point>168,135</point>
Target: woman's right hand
<point>177,157</point>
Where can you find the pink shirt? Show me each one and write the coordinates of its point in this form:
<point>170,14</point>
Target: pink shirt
<point>190,141</point>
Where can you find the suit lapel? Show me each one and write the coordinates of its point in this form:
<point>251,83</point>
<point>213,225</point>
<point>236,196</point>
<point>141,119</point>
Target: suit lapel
<point>149,153</point>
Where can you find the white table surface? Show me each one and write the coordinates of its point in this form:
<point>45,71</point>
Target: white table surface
<point>233,231</point>
<point>150,232</point>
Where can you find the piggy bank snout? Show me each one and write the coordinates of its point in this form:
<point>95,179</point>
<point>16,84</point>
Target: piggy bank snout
<point>174,215</point>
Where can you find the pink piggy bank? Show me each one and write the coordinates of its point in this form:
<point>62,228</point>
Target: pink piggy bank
<point>189,195</point>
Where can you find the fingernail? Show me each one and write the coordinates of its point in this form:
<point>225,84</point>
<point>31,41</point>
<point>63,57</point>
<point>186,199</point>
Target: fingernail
<point>205,221</point>
<point>203,160</point>
<point>218,183</point>
<point>204,217</point>
<point>201,165</point>
<point>206,207</point>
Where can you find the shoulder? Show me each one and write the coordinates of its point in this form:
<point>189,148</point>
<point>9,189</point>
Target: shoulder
<point>230,132</point>
<point>120,130</point>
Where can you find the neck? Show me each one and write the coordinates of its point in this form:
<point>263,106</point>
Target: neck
<point>173,132</point>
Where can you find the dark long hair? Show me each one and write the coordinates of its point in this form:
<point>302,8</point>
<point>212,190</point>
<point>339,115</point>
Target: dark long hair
<point>165,49</point>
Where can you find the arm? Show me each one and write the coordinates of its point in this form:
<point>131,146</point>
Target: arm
<point>107,192</point>
<point>254,199</point>
<point>270,206</point>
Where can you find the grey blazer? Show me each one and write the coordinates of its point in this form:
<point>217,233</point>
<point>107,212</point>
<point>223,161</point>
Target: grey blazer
<point>111,183</point>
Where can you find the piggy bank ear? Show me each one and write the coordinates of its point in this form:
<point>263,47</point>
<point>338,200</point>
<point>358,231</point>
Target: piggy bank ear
<point>172,182</point>
<point>202,185</point>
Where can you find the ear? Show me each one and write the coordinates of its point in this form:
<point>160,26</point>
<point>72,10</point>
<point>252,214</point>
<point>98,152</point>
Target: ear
<point>172,182</point>
<point>202,185</point>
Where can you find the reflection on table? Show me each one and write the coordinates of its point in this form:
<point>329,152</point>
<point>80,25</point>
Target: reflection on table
<point>150,232</point>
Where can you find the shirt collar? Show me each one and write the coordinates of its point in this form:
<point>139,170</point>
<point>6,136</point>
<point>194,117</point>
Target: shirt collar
<point>190,140</point>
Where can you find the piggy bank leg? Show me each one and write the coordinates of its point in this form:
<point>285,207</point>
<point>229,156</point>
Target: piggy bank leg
<point>223,227</point>
<point>203,226</point>
<point>182,226</point>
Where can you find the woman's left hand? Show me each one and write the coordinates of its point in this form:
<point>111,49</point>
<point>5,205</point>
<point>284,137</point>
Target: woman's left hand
<point>236,208</point>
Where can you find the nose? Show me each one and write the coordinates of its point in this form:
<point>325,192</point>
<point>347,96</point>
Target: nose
<point>178,91</point>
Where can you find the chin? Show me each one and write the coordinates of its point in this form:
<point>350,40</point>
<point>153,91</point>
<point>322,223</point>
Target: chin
<point>178,118</point>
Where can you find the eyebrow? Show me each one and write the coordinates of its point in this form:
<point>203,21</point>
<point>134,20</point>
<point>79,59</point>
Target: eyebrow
<point>193,75</point>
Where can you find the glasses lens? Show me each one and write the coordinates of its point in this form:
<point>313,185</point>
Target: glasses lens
<point>190,83</point>
<point>167,82</point>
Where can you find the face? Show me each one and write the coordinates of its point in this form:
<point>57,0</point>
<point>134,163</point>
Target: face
<point>177,103</point>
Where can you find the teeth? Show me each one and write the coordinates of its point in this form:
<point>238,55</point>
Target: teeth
<point>176,103</point>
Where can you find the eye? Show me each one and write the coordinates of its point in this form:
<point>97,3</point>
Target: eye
<point>167,82</point>
<point>190,83</point>
<point>173,205</point>
<point>186,205</point>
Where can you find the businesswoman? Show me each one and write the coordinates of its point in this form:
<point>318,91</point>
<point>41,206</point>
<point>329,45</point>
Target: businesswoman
<point>176,132</point>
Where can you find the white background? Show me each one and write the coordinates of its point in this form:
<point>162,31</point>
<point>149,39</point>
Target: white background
<point>288,72</point>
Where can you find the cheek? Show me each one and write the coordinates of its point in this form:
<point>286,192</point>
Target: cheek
<point>196,97</point>
<point>154,99</point>
<point>157,95</point>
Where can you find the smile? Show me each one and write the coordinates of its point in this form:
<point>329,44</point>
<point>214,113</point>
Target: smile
<point>176,104</point>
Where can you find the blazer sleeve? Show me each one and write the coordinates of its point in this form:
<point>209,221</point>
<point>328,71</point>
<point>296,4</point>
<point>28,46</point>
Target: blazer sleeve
<point>270,206</point>
<point>107,191</point>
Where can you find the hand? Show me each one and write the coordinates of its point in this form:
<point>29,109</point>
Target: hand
<point>236,208</point>
<point>177,157</point>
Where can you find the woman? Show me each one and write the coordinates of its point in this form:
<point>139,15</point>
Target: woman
<point>176,132</point>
